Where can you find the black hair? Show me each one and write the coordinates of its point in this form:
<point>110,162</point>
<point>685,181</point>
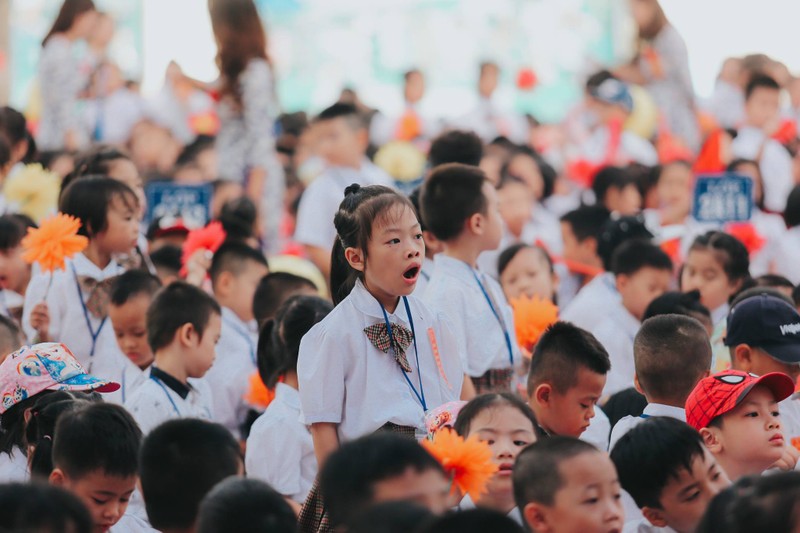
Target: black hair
<point>474,521</point>
<point>796,296</point>
<point>13,124</point>
<point>671,353</point>
<point>360,210</point>
<point>760,81</point>
<point>181,461</point>
<point>414,199</point>
<point>651,454</point>
<point>13,229</point>
<point>133,283</point>
<point>5,150</point>
<point>39,507</point>
<point>678,303</point>
<point>192,151</point>
<point>718,515</point>
<point>731,253</point>
<point>176,305</point>
<point>627,402</point>
<point>456,146</point>
<point>279,338</point>
<point>617,231</point>
<point>562,350</point>
<point>587,221</point>
<point>481,403</point>
<point>537,471</point>
<point>774,281</point>
<point>167,257</point>
<point>12,425</point>
<point>634,255</point>
<point>792,212</point>
<point>349,112</point>
<point>234,257</point>
<point>508,255</point>
<point>597,79</point>
<point>450,196</point>
<point>89,199</point>
<point>391,517</point>
<point>769,503</point>
<point>239,505</point>
<point>273,290</point>
<point>347,477</point>
<point>96,161</point>
<point>546,170</point>
<point>610,177</point>
<point>98,436</point>
<point>238,218</point>
<point>734,165</point>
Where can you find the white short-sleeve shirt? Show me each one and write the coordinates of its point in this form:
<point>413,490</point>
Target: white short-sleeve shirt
<point>130,378</point>
<point>345,380</point>
<point>586,308</point>
<point>597,432</point>
<point>155,403</point>
<point>627,423</point>
<point>616,332</point>
<point>775,164</point>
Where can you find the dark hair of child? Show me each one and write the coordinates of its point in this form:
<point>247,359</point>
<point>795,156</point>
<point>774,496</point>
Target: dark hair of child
<point>89,199</point>
<point>13,229</point>
<point>774,281</point>
<point>69,11</point>
<point>233,257</point>
<point>473,521</point>
<point>729,251</point>
<point>607,178</point>
<point>279,338</point>
<point>508,255</point>
<point>174,306</point>
<point>562,350</point>
<point>760,81</point>
<point>617,231</point>
<point>627,402</point>
<point>734,165</point>
<point>39,507</point>
<point>391,517</point>
<point>348,112</point>
<point>678,303</point>
<point>450,196</point>
<point>238,218</point>
<point>414,199</point>
<point>133,283</point>
<point>347,477</point>
<point>796,296</point>
<point>792,212</point>
<point>361,209</point>
<point>245,506</point>
<point>456,146</point>
<point>14,125</point>
<point>634,255</point>
<point>272,292</point>
<point>167,258</point>
<point>98,436</point>
<point>192,151</point>
<point>481,403</point>
<point>95,162</point>
<point>587,221</point>
<point>597,79</point>
<point>537,470</point>
<point>181,461</point>
<point>651,454</point>
<point>546,170</point>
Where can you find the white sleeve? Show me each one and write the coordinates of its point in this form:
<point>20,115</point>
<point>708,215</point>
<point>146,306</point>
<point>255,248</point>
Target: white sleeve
<point>35,294</point>
<point>274,455</point>
<point>321,376</point>
<point>315,216</point>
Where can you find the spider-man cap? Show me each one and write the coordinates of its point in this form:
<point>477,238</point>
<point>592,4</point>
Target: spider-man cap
<point>722,392</point>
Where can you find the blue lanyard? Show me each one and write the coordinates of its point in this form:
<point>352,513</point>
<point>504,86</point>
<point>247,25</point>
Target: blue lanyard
<point>94,333</point>
<point>497,316</point>
<point>421,393</point>
<point>167,394</point>
<point>244,335</point>
<point>123,383</point>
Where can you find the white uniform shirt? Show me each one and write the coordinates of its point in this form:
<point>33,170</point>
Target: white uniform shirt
<point>131,377</point>
<point>775,164</point>
<point>280,450</point>
<point>345,380</point>
<point>597,432</point>
<point>425,275</point>
<point>627,423</point>
<point>632,148</point>
<point>229,376</point>
<point>790,416</point>
<point>13,467</point>
<point>772,229</point>
<point>587,308</point>
<point>156,402</point>
<point>455,292</point>
<point>616,332</point>
<point>788,260</point>
<point>644,526</point>
<point>69,321</point>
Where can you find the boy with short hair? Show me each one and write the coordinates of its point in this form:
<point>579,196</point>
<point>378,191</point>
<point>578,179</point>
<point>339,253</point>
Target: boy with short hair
<point>738,417</point>
<point>642,272</point>
<point>671,354</point>
<point>460,208</point>
<point>235,272</point>
<point>181,461</point>
<point>566,380</point>
<point>183,327</point>
<point>456,146</point>
<point>274,289</point>
<point>95,456</point>
<point>671,476</point>
<point>554,478</point>
<point>342,140</point>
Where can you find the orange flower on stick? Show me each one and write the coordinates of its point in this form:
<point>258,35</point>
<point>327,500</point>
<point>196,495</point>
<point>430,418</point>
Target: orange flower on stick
<point>208,238</point>
<point>531,317</point>
<point>467,462</point>
<point>52,243</point>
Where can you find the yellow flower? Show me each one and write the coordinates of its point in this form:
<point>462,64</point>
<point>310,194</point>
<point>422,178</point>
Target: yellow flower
<point>33,191</point>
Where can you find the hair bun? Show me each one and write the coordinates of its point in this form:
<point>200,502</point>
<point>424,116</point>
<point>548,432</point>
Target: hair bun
<point>352,189</point>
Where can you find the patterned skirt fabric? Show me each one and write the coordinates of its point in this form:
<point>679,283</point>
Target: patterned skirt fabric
<point>495,380</point>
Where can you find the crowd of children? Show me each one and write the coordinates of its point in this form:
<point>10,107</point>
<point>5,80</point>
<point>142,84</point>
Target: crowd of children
<point>543,290</point>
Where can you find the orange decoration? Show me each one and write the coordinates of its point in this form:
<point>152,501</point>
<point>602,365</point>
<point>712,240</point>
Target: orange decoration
<point>468,462</point>
<point>748,235</point>
<point>209,238</point>
<point>796,443</point>
<point>53,242</point>
<point>408,127</point>
<point>531,317</point>
<point>258,395</point>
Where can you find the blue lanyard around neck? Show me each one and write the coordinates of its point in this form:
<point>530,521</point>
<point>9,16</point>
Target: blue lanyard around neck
<point>167,394</point>
<point>496,314</point>
<point>95,333</point>
<point>421,393</point>
<point>241,332</point>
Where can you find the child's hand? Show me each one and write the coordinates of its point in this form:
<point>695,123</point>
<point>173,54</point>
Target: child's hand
<point>40,321</point>
<point>197,267</point>
<point>788,460</point>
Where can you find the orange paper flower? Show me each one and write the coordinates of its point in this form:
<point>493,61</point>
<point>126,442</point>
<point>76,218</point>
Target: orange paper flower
<point>468,462</point>
<point>531,317</point>
<point>209,238</point>
<point>258,395</point>
<point>52,243</point>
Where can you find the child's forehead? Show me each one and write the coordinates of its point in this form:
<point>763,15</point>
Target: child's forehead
<point>396,216</point>
<point>586,469</point>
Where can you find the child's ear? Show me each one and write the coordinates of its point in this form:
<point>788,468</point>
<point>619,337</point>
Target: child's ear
<point>355,257</point>
<point>621,281</point>
<point>186,335</point>
<point>475,224</point>
<point>743,358</point>
<point>711,439</point>
<point>57,478</point>
<point>637,385</point>
<point>542,394</point>
<point>655,516</point>
<point>222,286</point>
<point>535,517</point>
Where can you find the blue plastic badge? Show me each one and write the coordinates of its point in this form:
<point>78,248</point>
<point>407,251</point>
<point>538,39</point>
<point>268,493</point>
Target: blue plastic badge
<point>191,204</point>
<point>723,198</point>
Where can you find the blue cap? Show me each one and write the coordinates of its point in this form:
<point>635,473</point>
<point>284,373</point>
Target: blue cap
<point>613,91</point>
<point>767,322</point>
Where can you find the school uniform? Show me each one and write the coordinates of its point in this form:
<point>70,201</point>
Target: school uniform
<point>632,148</point>
<point>586,308</point>
<point>790,416</point>
<point>488,122</point>
<point>627,423</point>
<point>772,229</point>
<point>597,432</point>
<point>720,354</point>
<point>482,317</point>
<point>786,264</point>
<point>321,200</point>
<point>14,467</point>
<point>644,526</point>
<point>162,398</point>
<point>345,380</point>
<point>77,301</point>
<point>280,450</point>
<point>11,304</point>
<point>413,124</point>
<point>773,160</point>
<point>616,332</point>
<point>130,378</point>
<point>514,514</point>
<point>234,363</point>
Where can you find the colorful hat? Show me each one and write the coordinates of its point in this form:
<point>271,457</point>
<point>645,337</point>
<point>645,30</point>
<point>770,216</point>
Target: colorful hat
<point>47,366</point>
<point>721,393</point>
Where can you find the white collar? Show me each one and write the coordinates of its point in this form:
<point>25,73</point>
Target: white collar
<point>365,302</point>
<point>287,395</point>
<point>455,268</point>
<point>84,267</point>
<point>229,316</point>
<point>659,409</point>
<point>719,314</point>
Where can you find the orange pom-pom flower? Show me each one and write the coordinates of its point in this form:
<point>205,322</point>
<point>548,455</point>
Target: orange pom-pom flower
<point>258,395</point>
<point>531,317</point>
<point>53,242</point>
<point>208,238</point>
<point>468,462</point>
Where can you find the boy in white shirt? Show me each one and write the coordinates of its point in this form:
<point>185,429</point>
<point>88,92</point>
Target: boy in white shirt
<point>580,233</point>
<point>235,272</point>
<point>183,326</point>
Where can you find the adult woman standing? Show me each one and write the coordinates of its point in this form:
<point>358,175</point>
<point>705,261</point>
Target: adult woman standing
<point>61,78</point>
<point>662,66</point>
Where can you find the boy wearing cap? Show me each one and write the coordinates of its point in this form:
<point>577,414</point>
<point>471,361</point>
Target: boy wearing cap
<point>738,417</point>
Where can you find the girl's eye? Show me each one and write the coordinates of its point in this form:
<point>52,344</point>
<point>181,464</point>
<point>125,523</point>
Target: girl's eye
<point>418,236</point>
<point>715,476</point>
<point>752,415</point>
<point>394,241</point>
<point>617,496</point>
<point>776,413</point>
<point>489,442</point>
<point>521,443</point>
<point>99,502</point>
<point>590,501</point>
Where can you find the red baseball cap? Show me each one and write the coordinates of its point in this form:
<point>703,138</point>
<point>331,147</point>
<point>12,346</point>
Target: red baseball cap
<point>718,394</point>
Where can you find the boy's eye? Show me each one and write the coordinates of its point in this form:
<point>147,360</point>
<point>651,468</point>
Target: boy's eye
<point>521,443</point>
<point>99,502</point>
<point>393,241</point>
<point>752,415</point>
<point>776,413</point>
<point>590,501</point>
<point>693,496</point>
<point>489,441</point>
<point>418,236</point>
<point>584,406</point>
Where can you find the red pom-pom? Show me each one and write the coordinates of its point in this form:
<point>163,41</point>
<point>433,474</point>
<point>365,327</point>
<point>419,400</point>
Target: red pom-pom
<point>526,79</point>
<point>209,238</point>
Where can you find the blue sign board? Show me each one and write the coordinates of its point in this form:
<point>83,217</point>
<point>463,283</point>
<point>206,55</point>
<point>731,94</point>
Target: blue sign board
<point>723,198</point>
<point>189,203</point>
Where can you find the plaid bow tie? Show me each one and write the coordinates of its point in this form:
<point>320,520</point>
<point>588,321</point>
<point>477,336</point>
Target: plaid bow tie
<point>99,294</point>
<point>379,337</point>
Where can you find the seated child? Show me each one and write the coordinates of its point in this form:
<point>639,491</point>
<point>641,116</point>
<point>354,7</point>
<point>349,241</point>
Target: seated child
<point>566,380</point>
<point>671,354</point>
<point>40,507</point>
<point>456,146</point>
<point>562,484</point>
<point>245,506</point>
<point>642,272</point>
<point>181,461</point>
<point>738,417</point>
<point>131,295</point>
<point>183,326</point>
<point>96,457</point>
<point>527,271</point>
<point>235,272</point>
<point>616,189</point>
<point>671,475</point>
<point>274,289</point>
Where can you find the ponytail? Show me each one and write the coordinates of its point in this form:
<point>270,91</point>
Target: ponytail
<point>41,427</point>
